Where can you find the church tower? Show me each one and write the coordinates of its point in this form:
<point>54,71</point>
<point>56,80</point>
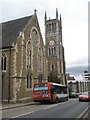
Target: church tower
<point>54,47</point>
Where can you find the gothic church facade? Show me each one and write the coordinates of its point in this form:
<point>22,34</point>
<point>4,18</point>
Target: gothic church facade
<point>25,59</point>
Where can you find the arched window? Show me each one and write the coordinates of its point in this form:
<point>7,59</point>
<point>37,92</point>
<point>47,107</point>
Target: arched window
<point>29,81</point>
<point>5,60</point>
<point>55,27</point>
<point>49,51</point>
<point>29,58</point>
<point>28,55</point>
<point>49,27</point>
<point>54,50</point>
<point>35,37</point>
<point>39,60</point>
<point>52,27</point>
<point>3,63</point>
<point>52,67</point>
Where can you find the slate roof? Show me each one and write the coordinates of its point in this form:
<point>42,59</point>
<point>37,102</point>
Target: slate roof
<point>11,30</point>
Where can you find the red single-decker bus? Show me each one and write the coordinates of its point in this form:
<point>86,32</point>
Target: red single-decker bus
<point>49,91</point>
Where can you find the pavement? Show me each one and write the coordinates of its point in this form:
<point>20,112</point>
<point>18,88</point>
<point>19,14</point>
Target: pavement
<point>14,105</point>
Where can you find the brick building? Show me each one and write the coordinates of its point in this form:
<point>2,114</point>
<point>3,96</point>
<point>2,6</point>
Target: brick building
<point>24,58</point>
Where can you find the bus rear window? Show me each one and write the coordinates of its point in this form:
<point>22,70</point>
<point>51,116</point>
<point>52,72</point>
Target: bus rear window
<point>43,86</point>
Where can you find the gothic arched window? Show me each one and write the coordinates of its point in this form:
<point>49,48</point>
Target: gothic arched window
<point>4,62</point>
<point>52,67</point>
<point>39,60</point>
<point>49,51</point>
<point>54,50</point>
<point>29,58</point>
<point>35,37</point>
<point>29,81</point>
<point>28,55</point>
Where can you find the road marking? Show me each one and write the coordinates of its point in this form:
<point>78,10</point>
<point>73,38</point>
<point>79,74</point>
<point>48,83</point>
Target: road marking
<point>54,105</point>
<point>81,114</point>
<point>47,107</point>
<point>72,99</point>
<point>40,109</point>
<point>23,114</point>
<point>64,102</point>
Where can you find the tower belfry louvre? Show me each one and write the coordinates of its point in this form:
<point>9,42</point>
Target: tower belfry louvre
<point>54,47</point>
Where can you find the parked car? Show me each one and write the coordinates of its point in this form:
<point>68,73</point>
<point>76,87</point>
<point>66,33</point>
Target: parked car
<point>62,97</point>
<point>73,95</point>
<point>85,96</point>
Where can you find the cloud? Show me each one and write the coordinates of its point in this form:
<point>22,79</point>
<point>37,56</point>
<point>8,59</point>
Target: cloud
<point>77,71</point>
<point>74,23</point>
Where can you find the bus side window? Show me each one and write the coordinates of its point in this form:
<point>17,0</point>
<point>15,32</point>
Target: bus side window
<point>54,92</point>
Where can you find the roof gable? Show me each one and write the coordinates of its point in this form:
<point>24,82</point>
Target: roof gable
<point>11,30</point>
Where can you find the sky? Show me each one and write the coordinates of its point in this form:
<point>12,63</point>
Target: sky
<point>74,15</point>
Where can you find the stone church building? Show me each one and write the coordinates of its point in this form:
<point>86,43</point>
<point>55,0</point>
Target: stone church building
<point>54,47</point>
<point>25,59</point>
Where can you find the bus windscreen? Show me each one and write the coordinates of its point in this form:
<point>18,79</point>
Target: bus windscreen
<point>43,86</point>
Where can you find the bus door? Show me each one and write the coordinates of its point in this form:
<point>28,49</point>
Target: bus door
<point>53,93</point>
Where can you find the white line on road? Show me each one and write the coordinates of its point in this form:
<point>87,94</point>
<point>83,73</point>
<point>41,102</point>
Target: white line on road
<point>43,108</point>
<point>83,113</point>
<point>23,114</point>
<point>54,105</point>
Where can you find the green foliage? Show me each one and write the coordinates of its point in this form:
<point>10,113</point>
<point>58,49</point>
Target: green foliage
<point>40,77</point>
<point>53,77</point>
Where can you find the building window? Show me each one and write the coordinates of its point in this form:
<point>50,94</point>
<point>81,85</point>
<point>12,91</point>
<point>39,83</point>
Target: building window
<point>35,37</point>
<point>49,51</point>
<point>55,27</point>
<point>52,27</point>
<point>52,67</point>
<point>39,62</point>
<point>27,82</point>
<point>5,60</point>
<point>27,58</point>
<point>54,50</point>
<point>49,27</point>
<point>3,63</point>
<point>30,82</point>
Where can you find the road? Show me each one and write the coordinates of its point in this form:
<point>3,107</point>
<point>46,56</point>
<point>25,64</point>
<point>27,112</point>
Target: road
<point>70,109</point>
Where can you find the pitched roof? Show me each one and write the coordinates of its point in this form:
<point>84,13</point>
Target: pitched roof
<point>11,30</point>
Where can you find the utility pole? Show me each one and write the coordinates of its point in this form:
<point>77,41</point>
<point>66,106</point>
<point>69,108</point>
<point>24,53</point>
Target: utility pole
<point>9,75</point>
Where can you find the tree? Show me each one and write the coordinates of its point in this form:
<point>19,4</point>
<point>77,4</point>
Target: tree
<point>53,77</point>
<point>40,77</point>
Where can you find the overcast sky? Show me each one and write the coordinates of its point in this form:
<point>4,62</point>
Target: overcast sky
<point>74,24</point>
